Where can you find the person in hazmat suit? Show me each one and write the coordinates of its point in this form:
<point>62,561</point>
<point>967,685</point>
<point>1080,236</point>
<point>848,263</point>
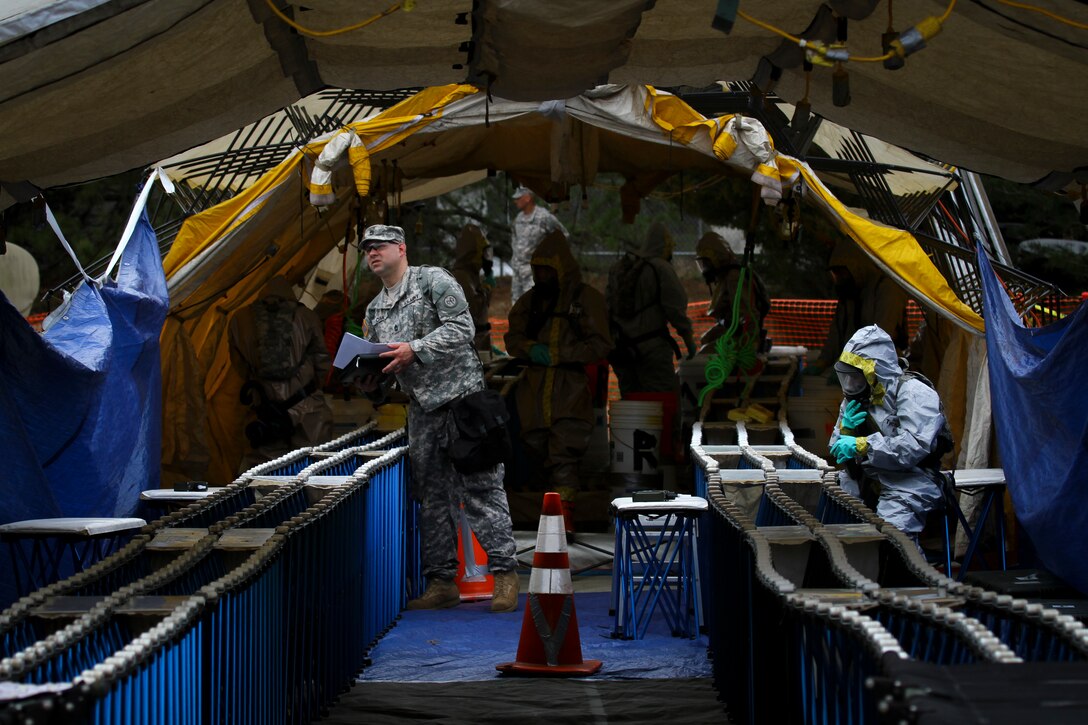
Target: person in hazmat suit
<point>721,270</point>
<point>890,433</point>
<point>277,344</point>
<point>531,225</point>
<point>644,297</point>
<point>559,326</point>
<point>866,296</point>
<point>471,256</point>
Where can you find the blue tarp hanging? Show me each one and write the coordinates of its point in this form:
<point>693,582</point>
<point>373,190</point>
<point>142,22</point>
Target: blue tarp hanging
<point>1040,409</point>
<point>80,405</point>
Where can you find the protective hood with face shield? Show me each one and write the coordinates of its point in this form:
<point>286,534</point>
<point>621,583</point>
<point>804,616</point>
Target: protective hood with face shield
<point>713,256</point>
<point>473,251</point>
<point>852,381</point>
<point>902,418</point>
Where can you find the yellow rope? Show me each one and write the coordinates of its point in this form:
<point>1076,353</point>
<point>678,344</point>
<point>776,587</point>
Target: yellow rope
<point>948,12</point>
<point>767,26</point>
<point>329,33</point>
<point>1049,14</point>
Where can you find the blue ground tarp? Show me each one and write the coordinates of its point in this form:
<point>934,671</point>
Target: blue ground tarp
<point>1040,408</point>
<point>463,644</point>
<point>80,406</point>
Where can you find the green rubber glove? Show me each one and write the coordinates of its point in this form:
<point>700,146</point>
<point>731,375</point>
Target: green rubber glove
<point>845,448</point>
<point>853,416</point>
<point>489,280</point>
<point>540,354</point>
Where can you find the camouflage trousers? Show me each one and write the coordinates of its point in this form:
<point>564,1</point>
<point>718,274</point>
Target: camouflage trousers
<point>521,281</point>
<point>441,491</point>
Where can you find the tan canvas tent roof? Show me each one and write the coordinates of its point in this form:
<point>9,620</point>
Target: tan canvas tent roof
<point>223,256</point>
<point>94,87</point>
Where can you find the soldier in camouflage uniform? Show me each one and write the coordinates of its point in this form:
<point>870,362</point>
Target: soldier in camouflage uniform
<point>278,346</point>
<point>531,225</point>
<point>422,314</point>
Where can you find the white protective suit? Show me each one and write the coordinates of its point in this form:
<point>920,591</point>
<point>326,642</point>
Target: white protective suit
<point>903,424</point>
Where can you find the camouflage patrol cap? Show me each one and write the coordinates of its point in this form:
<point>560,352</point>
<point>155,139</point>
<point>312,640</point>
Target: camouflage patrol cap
<point>383,233</point>
<point>521,191</point>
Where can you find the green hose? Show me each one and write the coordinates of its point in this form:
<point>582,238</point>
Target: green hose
<point>730,350</point>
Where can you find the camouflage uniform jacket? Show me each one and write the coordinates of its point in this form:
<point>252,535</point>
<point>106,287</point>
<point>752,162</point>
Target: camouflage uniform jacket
<point>431,313</point>
<point>529,230</point>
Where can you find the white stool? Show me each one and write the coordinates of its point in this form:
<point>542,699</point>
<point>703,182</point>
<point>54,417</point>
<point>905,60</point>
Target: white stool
<point>656,563</point>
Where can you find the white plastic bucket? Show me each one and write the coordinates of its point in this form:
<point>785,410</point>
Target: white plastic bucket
<point>598,455</point>
<point>635,427</point>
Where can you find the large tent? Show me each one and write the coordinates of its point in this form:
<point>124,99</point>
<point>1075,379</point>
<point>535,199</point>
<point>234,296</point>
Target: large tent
<point>94,87</point>
<point>222,257</point>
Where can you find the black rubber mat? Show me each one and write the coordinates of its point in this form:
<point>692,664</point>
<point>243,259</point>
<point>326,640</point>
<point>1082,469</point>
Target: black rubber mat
<point>1055,693</point>
<point>520,701</point>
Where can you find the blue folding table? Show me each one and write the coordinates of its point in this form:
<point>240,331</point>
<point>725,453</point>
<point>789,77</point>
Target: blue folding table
<point>656,565</point>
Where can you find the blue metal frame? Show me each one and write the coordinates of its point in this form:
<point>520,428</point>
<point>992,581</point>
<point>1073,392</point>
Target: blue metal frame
<point>652,569</point>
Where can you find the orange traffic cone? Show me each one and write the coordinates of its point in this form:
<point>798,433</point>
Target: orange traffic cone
<point>549,642</point>
<point>474,578</point>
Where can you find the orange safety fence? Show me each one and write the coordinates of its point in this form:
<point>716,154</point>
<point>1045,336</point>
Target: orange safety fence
<point>790,322</point>
<point>36,320</point>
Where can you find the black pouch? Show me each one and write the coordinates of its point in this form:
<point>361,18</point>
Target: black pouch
<point>483,440</point>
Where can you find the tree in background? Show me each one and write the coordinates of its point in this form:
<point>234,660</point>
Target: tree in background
<point>1025,213</point>
<point>91,215</point>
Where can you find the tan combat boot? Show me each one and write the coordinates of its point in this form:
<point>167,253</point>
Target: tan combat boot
<point>440,594</point>
<point>505,598</point>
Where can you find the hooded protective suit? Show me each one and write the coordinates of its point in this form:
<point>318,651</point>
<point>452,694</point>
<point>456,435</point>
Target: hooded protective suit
<point>468,259</point>
<point>553,399</point>
<point>645,296</point>
<point>279,345</point>
<point>899,435</point>
<point>722,270</point>
<point>872,298</point>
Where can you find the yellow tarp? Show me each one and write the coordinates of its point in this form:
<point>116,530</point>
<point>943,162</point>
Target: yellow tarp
<point>222,257</point>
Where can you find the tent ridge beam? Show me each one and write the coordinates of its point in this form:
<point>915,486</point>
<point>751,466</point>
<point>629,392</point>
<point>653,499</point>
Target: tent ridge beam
<point>290,48</point>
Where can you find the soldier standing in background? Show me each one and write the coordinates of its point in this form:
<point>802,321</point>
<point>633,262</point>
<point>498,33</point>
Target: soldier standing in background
<point>531,225</point>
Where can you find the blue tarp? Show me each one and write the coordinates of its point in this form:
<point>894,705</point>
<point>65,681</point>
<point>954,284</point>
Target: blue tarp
<point>80,406</point>
<point>463,644</point>
<point>1040,409</point>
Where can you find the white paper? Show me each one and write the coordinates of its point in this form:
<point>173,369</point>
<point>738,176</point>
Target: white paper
<point>353,345</point>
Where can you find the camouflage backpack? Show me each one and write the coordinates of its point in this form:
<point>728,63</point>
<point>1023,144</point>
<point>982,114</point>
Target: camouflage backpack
<point>275,320</point>
<point>623,286</point>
